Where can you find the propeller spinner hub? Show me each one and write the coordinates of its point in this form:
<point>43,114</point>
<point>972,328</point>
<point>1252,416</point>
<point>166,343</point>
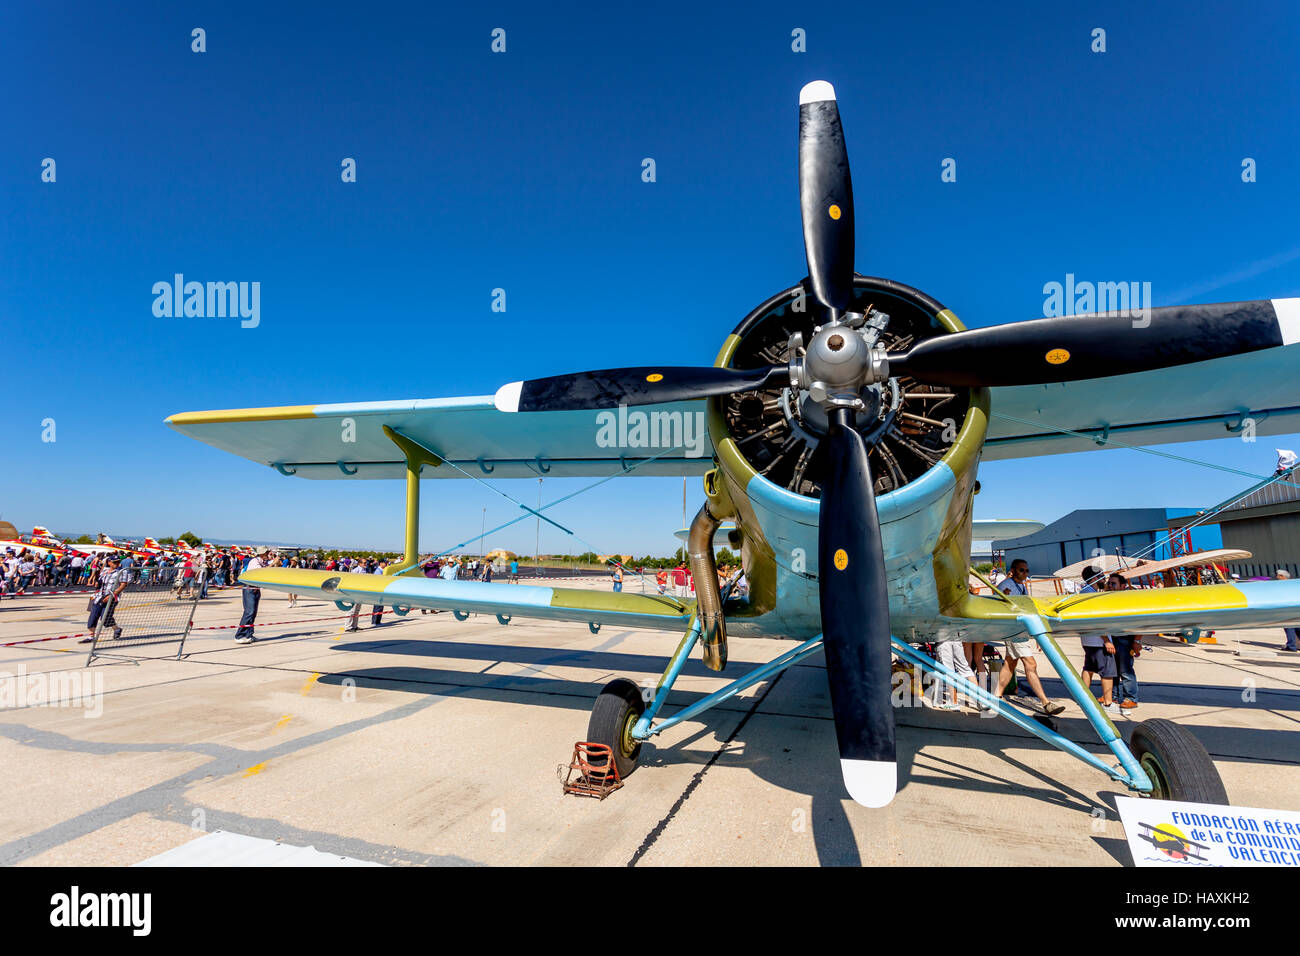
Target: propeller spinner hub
<point>839,362</point>
<point>838,357</point>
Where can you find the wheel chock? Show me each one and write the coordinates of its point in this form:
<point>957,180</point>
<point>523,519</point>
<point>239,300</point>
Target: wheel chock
<point>592,771</point>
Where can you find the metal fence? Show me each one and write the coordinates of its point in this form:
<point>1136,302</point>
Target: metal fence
<point>156,607</point>
<point>1262,569</point>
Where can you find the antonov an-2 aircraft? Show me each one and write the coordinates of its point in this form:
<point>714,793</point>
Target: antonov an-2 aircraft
<point>846,419</point>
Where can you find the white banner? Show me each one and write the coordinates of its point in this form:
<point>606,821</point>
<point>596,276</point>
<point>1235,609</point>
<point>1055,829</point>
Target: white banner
<point>1170,833</point>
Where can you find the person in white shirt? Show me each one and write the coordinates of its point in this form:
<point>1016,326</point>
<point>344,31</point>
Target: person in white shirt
<point>1017,585</point>
<point>111,585</point>
<point>377,611</point>
<point>9,573</point>
<point>26,569</point>
<point>252,597</point>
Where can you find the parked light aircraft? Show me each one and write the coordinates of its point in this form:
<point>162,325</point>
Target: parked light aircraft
<point>846,417</point>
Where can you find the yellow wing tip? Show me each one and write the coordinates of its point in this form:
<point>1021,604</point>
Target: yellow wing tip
<point>271,414</point>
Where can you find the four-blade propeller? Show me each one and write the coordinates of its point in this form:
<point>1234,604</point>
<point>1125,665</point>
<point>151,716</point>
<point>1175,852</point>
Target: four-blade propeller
<point>841,361</point>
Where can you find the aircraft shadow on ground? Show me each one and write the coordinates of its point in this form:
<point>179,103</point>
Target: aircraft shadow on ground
<point>815,770</point>
<point>620,662</point>
<point>1224,742</point>
<point>1196,695</point>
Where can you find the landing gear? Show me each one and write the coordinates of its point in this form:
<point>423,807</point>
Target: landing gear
<point>1177,763</point>
<point>617,710</point>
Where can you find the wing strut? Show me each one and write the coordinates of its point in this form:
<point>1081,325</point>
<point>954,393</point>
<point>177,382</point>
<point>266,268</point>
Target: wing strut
<point>417,456</point>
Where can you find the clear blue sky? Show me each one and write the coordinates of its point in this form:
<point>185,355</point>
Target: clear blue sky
<point>522,171</point>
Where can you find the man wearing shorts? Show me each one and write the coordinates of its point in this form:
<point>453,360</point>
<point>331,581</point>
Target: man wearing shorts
<point>1098,651</point>
<point>112,583</point>
<point>1017,583</point>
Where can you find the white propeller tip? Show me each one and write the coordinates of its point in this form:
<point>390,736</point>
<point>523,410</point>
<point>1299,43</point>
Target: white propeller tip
<point>871,783</point>
<point>816,92</point>
<point>507,397</point>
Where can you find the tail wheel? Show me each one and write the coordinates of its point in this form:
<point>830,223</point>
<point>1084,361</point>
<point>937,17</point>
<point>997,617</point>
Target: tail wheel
<point>1177,763</point>
<point>617,710</point>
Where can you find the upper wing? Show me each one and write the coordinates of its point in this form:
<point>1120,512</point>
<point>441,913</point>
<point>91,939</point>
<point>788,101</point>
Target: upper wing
<point>348,441</point>
<point>1002,529</point>
<point>1148,611</point>
<point>1185,403</point>
<point>555,604</point>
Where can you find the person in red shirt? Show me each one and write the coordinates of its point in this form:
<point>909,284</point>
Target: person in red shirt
<point>680,574</point>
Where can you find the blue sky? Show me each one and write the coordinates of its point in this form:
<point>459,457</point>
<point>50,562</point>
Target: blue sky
<point>522,171</point>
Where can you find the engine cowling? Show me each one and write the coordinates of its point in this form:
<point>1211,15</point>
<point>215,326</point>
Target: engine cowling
<point>908,426</point>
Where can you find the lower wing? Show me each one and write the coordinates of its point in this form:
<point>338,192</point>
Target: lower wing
<point>1148,611</point>
<point>545,603</point>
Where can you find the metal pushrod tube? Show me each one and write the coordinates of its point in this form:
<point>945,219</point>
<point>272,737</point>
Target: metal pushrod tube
<point>708,594</point>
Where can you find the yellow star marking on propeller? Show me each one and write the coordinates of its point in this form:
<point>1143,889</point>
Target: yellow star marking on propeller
<point>841,560</point>
<point>834,211</point>
<point>1058,356</point>
<point>655,377</point>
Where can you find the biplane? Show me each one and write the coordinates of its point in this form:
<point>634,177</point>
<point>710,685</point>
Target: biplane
<point>1170,841</point>
<point>846,417</point>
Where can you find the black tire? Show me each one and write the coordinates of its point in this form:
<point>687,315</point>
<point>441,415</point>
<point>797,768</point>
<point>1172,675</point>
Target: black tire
<point>1177,763</point>
<point>617,710</point>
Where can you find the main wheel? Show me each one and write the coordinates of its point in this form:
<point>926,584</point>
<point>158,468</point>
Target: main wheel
<point>1177,763</point>
<point>617,710</point>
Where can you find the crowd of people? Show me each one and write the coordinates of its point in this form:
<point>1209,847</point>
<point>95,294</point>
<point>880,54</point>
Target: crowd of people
<point>1107,657</point>
<point>24,570</point>
<point>680,581</point>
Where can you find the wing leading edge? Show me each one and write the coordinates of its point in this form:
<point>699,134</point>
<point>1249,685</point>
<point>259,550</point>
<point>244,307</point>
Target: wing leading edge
<point>348,440</point>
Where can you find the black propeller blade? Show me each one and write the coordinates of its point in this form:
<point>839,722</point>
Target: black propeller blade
<point>825,196</point>
<point>650,385</point>
<point>855,617</point>
<point>1095,346</point>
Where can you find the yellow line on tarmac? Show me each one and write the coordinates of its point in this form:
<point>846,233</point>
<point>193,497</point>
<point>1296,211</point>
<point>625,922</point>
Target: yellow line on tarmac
<point>281,722</point>
<point>255,769</point>
<point>309,684</point>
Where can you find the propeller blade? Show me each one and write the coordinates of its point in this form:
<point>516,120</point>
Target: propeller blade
<point>648,385</point>
<point>825,196</point>
<point>855,617</point>
<point>1095,346</point>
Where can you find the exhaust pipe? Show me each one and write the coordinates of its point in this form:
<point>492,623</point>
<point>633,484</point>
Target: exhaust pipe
<point>708,596</point>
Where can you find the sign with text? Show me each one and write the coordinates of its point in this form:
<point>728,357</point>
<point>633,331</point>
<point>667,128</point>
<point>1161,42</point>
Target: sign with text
<point>1170,833</point>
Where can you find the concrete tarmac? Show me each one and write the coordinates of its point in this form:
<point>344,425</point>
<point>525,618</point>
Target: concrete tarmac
<point>432,741</point>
